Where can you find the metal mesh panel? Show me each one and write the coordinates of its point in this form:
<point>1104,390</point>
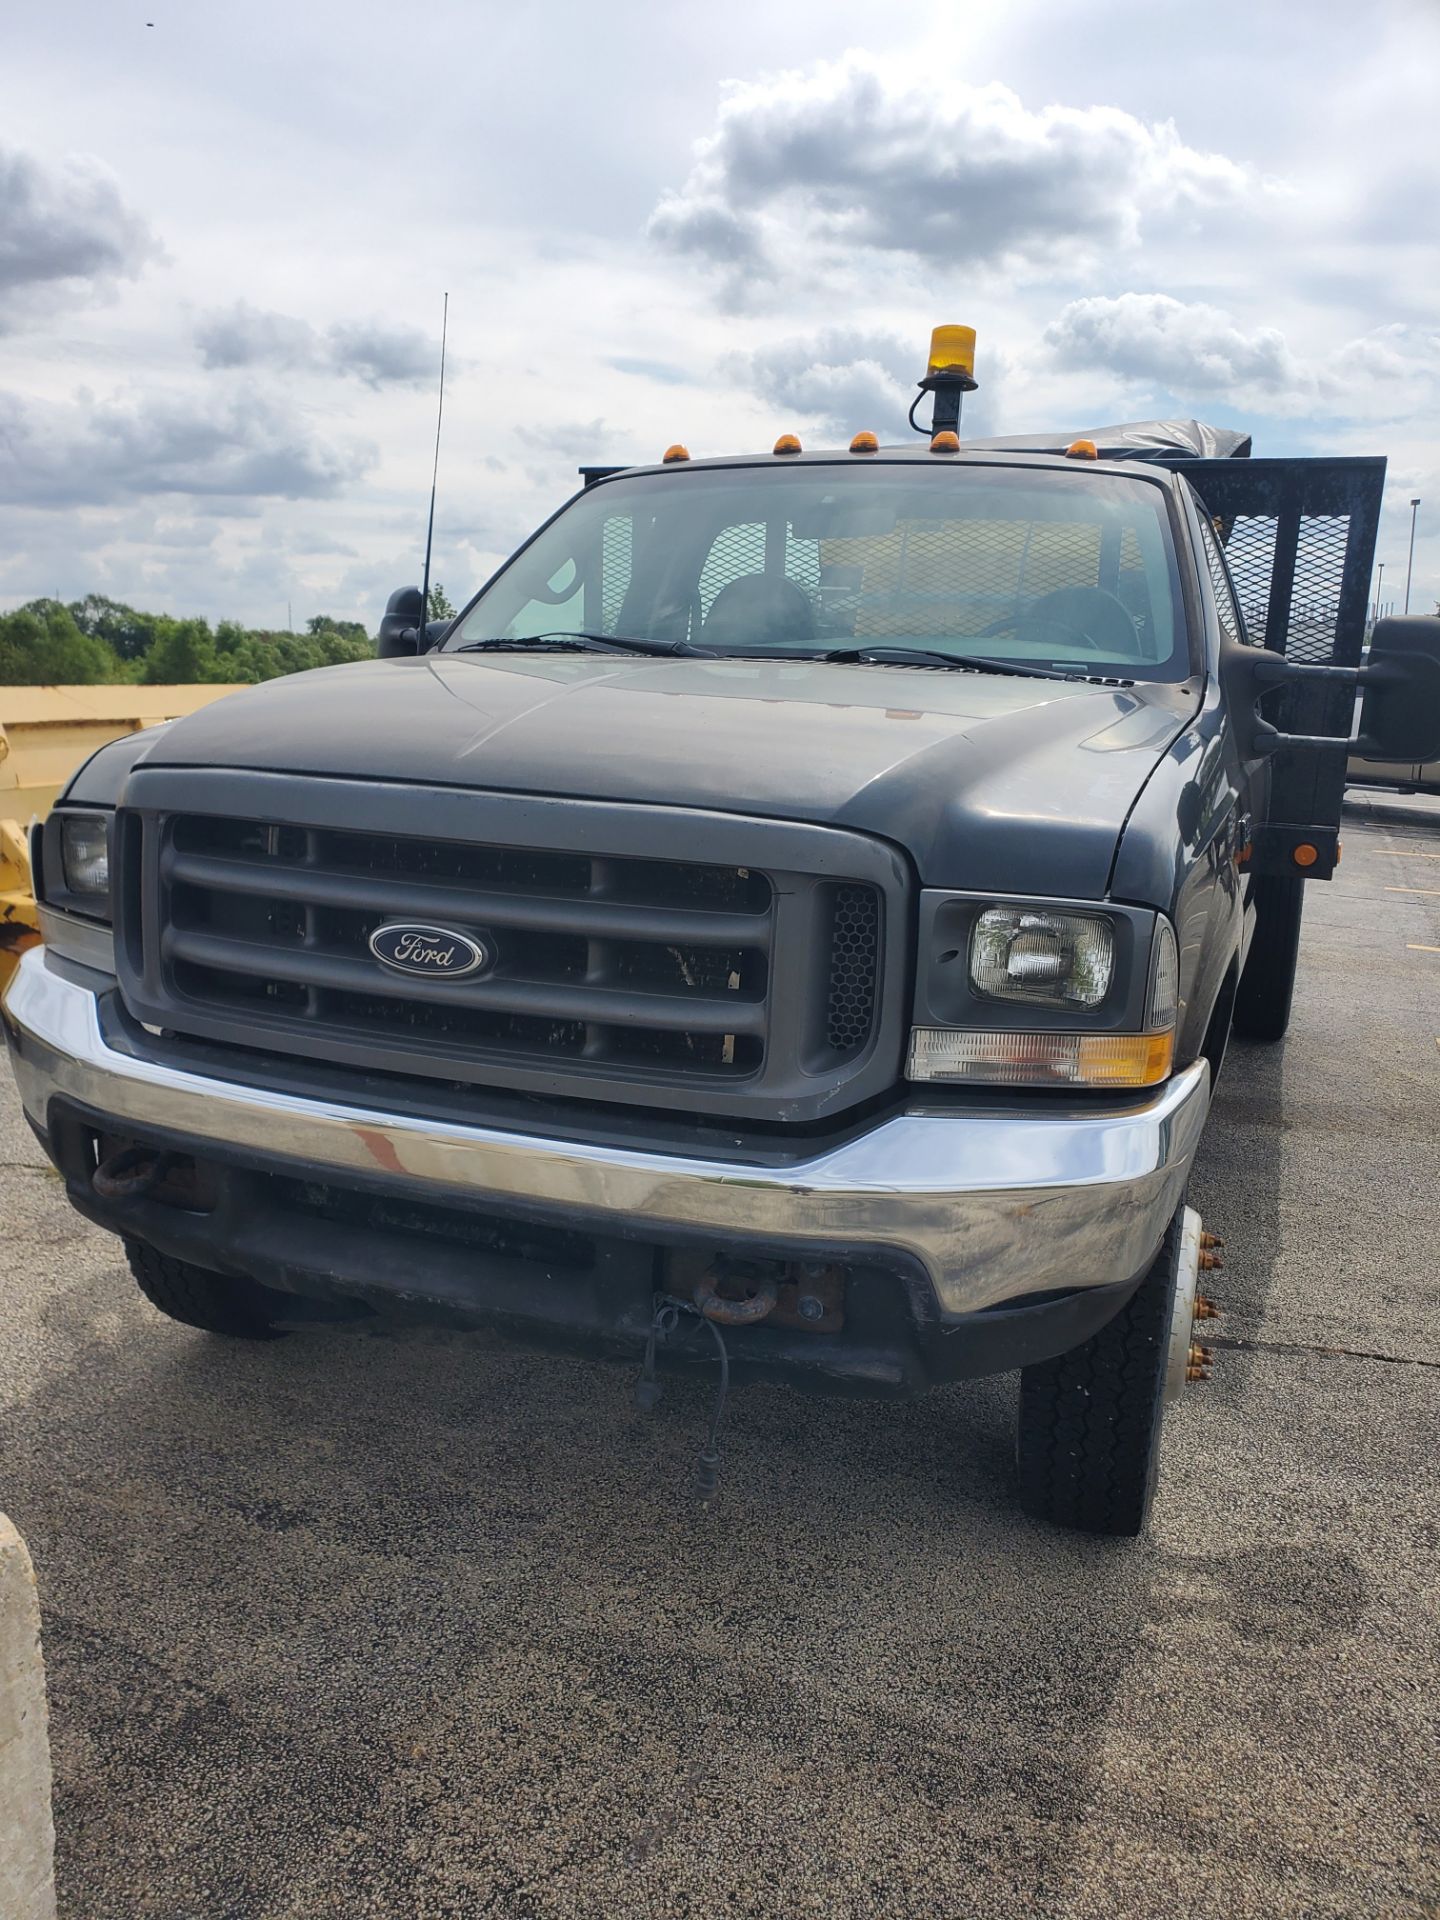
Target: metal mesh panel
<point>740,550</point>
<point>1250,550</point>
<point>941,577</point>
<point>802,563</point>
<point>1319,571</point>
<point>1310,619</point>
<point>616,543</point>
<point>736,552</point>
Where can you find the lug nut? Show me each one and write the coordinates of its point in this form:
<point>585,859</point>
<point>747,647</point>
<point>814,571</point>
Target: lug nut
<point>1202,1356</point>
<point>1199,1373</point>
<point>1206,1308</point>
<point>1210,1262</point>
<point>1211,1240</point>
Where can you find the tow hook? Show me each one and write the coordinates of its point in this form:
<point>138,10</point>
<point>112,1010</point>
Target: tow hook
<point>129,1173</point>
<point>735,1293</point>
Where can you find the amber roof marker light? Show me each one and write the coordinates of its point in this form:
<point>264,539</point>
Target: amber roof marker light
<point>865,442</point>
<point>673,454</point>
<point>949,375</point>
<point>945,442</point>
<point>787,443</point>
<point>1082,450</point>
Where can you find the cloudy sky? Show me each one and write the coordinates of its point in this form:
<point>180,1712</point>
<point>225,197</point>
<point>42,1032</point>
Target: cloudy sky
<point>224,238</point>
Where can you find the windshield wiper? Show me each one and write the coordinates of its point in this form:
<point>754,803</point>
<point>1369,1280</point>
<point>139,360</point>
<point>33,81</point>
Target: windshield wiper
<point>932,657</point>
<point>584,643</point>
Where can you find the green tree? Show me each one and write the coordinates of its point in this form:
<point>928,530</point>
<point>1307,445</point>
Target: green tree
<point>182,653</point>
<point>127,632</point>
<point>40,645</point>
<point>323,625</point>
<point>99,640</point>
<point>440,606</point>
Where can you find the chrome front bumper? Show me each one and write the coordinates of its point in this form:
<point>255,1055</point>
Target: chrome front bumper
<point>992,1205</point>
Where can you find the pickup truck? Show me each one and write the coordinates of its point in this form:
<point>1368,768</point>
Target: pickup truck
<point>793,915</point>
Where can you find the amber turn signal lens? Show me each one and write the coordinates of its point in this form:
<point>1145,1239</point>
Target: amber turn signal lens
<point>864,443</point>
<point>787,443</point>
<point>672,454</point>
<point>945,442</point>
<point>1305,855</point>
<point>1001,1059</point>
<point>1082,450</point>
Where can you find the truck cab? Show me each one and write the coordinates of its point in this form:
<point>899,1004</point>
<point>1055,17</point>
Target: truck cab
<point>793,915</point>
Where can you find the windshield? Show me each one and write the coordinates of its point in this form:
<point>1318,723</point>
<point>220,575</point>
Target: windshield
<point>1071,571</point>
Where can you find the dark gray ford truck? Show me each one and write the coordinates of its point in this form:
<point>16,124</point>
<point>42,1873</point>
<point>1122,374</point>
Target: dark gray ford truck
<point>793,917</point>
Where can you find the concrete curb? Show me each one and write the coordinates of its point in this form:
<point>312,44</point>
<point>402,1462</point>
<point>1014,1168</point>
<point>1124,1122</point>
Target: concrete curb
<point>27,1834</point>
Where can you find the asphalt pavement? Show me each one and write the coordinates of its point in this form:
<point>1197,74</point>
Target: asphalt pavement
<point>408,1623</point>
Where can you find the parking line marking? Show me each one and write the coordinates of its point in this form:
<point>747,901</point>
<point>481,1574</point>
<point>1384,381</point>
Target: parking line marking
<point>1410,947</point>
<point>1425,890</point>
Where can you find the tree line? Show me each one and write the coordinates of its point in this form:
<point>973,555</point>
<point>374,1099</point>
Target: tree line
<point>100,642</point>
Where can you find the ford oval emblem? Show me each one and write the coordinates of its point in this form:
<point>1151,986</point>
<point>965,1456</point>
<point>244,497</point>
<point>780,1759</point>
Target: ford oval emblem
<point>437,953</point>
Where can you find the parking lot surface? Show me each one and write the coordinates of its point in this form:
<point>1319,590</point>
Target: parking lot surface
<point>408,1623</point>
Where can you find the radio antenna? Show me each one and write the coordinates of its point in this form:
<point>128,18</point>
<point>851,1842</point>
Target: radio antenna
<point>434,478</point>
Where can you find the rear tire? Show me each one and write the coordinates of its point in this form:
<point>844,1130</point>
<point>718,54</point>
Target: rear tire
<point>214,1302</point>
<point>1267,986</point>
<point>1089,1440</point>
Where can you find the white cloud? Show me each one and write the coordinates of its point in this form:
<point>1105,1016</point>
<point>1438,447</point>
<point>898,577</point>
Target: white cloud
<point>857,154</point>
<point>371,350</point>
<point>66,235</point>
<point>1191,351</point>
<point>98,453</point>
<point>1185,348</point>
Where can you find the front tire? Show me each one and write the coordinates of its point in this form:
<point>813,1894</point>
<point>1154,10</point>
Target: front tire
<point>1089,1440</point>
<point>215,1302</point>
<point>1267,986</point>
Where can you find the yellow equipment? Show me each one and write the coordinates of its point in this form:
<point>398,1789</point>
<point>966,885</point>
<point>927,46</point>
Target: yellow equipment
<point>45,734</point>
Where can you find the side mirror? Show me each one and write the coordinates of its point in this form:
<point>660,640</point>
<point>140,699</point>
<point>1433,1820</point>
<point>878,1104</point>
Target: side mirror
<point>1400,716</point>
<point>400,627</point>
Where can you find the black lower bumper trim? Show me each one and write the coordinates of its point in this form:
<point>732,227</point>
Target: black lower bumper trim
<point>548,1281</point>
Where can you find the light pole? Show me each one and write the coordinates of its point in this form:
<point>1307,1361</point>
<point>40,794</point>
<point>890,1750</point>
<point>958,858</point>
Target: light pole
<point>1410,567</point>
<point>1379,587</point>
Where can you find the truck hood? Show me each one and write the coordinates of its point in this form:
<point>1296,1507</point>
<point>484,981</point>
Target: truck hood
<point>988,782</point>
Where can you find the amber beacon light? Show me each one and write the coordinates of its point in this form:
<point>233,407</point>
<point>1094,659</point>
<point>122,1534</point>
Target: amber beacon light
<point>952,350</point>
<point>949,375</point>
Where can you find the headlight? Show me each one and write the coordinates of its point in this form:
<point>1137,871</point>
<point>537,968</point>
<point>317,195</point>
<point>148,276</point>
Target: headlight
<point>85,854</point>
<point>1045,959</point>
<point>1043,993</point>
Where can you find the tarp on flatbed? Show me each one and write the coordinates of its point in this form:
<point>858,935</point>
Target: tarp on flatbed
<point>1159,440</point>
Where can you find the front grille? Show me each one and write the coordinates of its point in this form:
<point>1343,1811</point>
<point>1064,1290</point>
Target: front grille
<point>617,971</point>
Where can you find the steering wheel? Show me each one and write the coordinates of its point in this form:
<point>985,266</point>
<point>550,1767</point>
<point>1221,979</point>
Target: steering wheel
<point>1088,616</point>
